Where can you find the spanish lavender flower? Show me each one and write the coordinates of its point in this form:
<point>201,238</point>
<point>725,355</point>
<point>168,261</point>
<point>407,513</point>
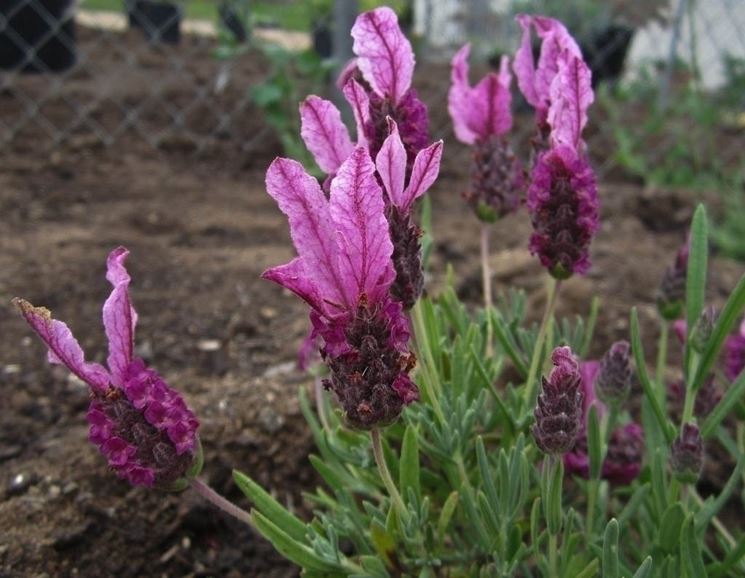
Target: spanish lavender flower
<point>562,197</point>
<point>377,85</point>
<point>536,80</point>
<point>138,422</point>
<point>734,353</point>
<point>687,455</point>
<point>672,291</point>
<point>482,118</point>
<point>623,461</point>
<point>401,194</point>
<point>344,272</point>
<point>613,382</point>
<point>558,413</point>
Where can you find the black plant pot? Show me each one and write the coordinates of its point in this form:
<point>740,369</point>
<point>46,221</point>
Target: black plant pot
<point>159,21</point>
<point>37,36</point>
<point>605,52</point>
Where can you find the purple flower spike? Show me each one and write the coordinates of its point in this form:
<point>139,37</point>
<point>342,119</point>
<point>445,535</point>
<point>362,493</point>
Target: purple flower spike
<point>734,353</point>
<point>672,291</point>
<point>613,382</point>
<point>344,271</point>
<point>687,455</point>
<point>138,422</point>
<point>482,118</point>
<point>564,209</point>
<point>558,413</point>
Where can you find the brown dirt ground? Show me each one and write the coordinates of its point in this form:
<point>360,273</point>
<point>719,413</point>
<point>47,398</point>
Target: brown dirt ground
<point>201,229</point>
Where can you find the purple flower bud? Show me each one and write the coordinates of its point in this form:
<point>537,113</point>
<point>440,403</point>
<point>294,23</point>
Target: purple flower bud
<point>687,455</point>
<point>706,398</point>
<point>703,328</point>
<point>558,413</point>
<point>672,291</point>
<point>139,423</point>
<point>563,205</point>
<point>613,382</point>
<point>497,179</point>
<point>734,353</point>
<point>623,460</point>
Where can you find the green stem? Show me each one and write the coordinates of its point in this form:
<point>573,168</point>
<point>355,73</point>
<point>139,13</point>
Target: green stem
<point>535,360</point>
<point>486,279</point>
<point>592,498</point>
<point>385,474</point>
<point>553,571</point>
<point>662,356</point>
<point>220,502</point>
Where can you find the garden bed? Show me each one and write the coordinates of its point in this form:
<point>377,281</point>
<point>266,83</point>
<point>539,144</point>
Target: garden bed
<point>201,229</point>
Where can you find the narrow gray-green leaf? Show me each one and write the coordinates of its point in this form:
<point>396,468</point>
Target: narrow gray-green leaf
<point>725,405</point>
<point>409,469</point>
<point>696,276</point>
<point>645,570</point>
<point>690,550</point>
<point>270,507</point>
<point>594,444</point>
<point>611,563</point>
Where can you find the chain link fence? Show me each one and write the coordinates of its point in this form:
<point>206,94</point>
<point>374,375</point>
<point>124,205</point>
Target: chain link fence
<point>670,74</point>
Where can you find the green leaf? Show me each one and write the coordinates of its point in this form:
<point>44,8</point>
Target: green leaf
<point>383,542</point>
<point>590,327</point>
<point>610,550</point>
<point>553,511</point>
<point>725,405</point>
<point>535,513</point>
<point>448,509</point>
<point>722,328</point>
<point>636,500</point>
<point>645,570</point>
<point>690,550</point>
<point>696,277</point>
<point>409,467</point>
<point>290,548</point>
<point>271,508</point>
<point>711,507</point>
<point>670,525</point>
<point>594,444</point>
<point>641,368</point>
<point>590,570</point>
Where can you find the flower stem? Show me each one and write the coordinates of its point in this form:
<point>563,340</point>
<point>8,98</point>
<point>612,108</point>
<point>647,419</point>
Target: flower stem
<point>662,357</point>
<point>552,551</point>
<point>530,390</point>
<point>220,502</point>
<point>385,474</point>
<point>594,485</point>
<point>486,277</point>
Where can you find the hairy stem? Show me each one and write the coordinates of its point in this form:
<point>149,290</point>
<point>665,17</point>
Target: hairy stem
<point>530,389</point>
<point>201,488</point>
<point>486,278</point>
<point>385,474</point>
<point>662,357</point>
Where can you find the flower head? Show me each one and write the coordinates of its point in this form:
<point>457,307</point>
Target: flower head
<point>138,422</point>
<point>672,290</point>
<point>558,413</point>
<point>613,382</point>
<point>564,210</point>
<point>344,272</point>
<point>687,454</point>
<point>377,85</point>
<point>481,118</point>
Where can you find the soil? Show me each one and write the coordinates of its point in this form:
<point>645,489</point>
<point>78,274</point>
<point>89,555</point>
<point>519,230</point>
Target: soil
<point>201,229</point>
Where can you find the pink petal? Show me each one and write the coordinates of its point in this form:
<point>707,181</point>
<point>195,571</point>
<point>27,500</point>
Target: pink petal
<point>360,103</point>
<point>459,97</point>
<point>63,348</point>
<point>524,64</point>
<point>119,317</point>
<point>347,73</point>
<point>300,198</point>
<point>423,174</point>
<point>323,132</point>
<point>293,276</point>
<point>384,55</point>
<point>391,164</point>
<point>571,96</point>
<point>364,244</point>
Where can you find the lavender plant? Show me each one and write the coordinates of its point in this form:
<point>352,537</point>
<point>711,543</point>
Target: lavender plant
<point>443,454</point>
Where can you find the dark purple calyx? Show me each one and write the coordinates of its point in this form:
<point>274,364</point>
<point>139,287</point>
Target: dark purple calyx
<point>411,117</point>
<point>407,257</point>
<point>371,379</point>
<point>623,462</point>
<point>672,291</point>
<point>613,381</point>
<point>687,455</point>
<point>497,179</point>
<point>558,412</point>
<point>145,430</point>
